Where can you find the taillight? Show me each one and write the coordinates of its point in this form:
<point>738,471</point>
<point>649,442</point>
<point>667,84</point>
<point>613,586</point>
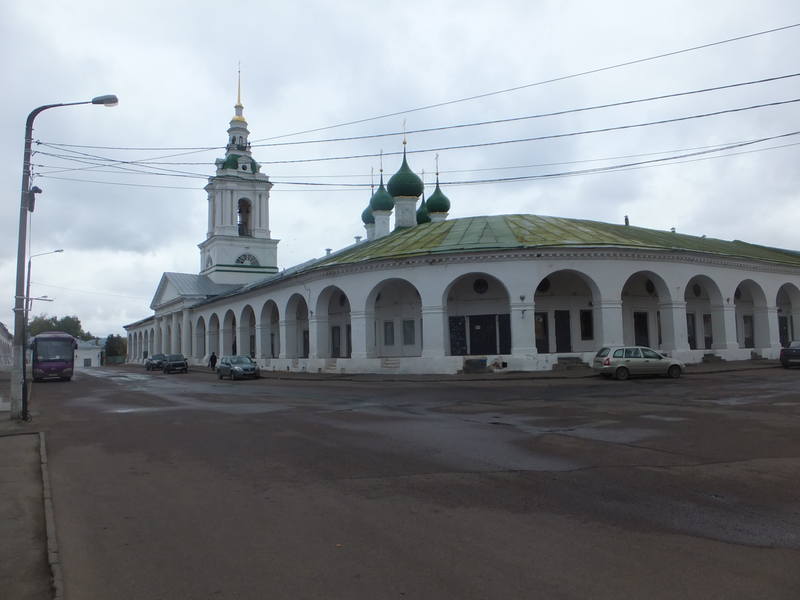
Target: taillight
<point>607,362</point>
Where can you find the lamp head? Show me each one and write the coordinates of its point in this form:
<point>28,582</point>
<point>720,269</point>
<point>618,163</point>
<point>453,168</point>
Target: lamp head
<point>107,100</point>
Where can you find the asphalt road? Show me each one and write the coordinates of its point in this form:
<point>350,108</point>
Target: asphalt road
<point>182,486</point>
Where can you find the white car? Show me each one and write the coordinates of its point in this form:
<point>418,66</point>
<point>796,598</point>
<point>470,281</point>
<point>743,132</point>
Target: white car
<point>624,361</point>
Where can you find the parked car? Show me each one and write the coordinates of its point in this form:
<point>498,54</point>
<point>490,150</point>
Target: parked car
<point>156,361</point>
<point>237,367</point>
<point>176,362</point>
<point>790,355</point>
<point>624,361</point>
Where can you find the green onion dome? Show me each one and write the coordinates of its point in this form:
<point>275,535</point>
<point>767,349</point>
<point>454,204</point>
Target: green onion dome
<point>232,162</point>
<point>367,217</point>
<point>438,202</point>
<point>381,199</point>
<point>422,213</point>
<point>405,182</point>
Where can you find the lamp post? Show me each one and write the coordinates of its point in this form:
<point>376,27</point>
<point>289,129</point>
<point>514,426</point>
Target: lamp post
<point>18,392</point>
<point>28,282</point>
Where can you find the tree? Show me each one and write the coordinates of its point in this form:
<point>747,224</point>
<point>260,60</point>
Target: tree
<point>116,345</point>
<point>69,324</point>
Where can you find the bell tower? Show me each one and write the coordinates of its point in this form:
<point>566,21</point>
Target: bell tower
<point>238,247</point>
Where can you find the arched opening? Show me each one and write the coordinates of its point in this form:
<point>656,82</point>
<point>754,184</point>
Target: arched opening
<point>564,318</point>
<point>788,302</point>
<point>229,334</point>
<point>334,334</point>
<point>151,348</point>
<point>396,328</point>
<point>270,331</point>
<point>213,335</point>
<point>705,324</point>
<point>752,323</point>
<point>247,332</point>
<point>143,345</point>
<point>297,340</point>
<point>643,295</point>
<point>243,217</point>
<point>178,338</point>
<point>479,316</point>
<point>159,348</point>
<point>200,339</point>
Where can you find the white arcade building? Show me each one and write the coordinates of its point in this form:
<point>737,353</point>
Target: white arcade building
<point>424,294</point>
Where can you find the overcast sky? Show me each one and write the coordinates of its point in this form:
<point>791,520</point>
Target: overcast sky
<point>308,65</point>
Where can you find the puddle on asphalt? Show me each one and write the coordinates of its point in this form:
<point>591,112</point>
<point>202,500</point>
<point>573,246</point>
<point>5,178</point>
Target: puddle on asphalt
<point>663,418</point>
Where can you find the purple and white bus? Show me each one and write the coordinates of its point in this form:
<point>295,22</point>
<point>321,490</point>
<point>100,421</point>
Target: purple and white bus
<point>53,355</point>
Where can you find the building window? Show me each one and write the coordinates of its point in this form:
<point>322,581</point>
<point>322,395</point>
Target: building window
<point>587,325</point>
<point>408,333</point>
<point>388,333</point>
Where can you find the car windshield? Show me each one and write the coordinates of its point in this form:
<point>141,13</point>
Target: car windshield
<point>157,357</point>
<point>175,357</point>
<point>241,360</point>
<point>603,352</point>
<point>795,344</point>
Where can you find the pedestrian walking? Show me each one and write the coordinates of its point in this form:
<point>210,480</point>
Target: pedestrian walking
<point>212,361</point>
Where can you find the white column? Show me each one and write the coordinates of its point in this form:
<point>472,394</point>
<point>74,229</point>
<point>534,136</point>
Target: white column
<point>673,326</point>
<point>317,337</point>
<point>360,330</point>
<point>523,333</point>
<point>610,313</point>
<point>287,345</point>
<point>723,327</point>
<point>174,338</point>
<point>765,322</point>
<point>434,327</point>
<point>186,334</point>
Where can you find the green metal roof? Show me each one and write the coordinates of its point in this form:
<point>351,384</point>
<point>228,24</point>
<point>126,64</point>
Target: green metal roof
<point>475,234</point>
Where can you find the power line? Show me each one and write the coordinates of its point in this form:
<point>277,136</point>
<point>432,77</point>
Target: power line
<point>537,138</point>
<point>475,145</point>
<point>611,168</point>
<point>538,83</point>
<point>448,127</point>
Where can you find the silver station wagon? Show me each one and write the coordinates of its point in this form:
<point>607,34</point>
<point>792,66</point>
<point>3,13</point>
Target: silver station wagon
<point>626,361</point>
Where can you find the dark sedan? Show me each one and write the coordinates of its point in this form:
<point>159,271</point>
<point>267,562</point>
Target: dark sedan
<point>156,361</point>
<point>176,363</point>
<point>237,367</point>
<point>790,356</point>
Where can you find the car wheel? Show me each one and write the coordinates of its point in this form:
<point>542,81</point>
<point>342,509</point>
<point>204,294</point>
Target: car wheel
<point>622,374</point>
<point>674,371</point>
<point>785,365</point>
<point>219,374</point>
<point>233,376</point>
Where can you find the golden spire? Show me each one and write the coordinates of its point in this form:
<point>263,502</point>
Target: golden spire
<point>238,116</point>
<point>239,85</point>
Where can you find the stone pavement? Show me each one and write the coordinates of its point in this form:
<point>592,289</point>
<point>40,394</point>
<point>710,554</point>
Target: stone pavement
<point>29,563</point>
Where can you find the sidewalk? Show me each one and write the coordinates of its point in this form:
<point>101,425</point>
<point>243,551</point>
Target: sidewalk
<point>25,572</point>
<point>26,567</point>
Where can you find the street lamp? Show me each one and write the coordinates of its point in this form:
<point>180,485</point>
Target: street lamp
<point>18,395</point>
<point>28,282</point>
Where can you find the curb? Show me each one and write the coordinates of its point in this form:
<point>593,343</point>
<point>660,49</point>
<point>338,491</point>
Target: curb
<point>53,557</point>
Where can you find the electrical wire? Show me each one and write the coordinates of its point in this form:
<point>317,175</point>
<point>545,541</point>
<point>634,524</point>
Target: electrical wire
<point>610,168</point>
<point>455,126</point>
